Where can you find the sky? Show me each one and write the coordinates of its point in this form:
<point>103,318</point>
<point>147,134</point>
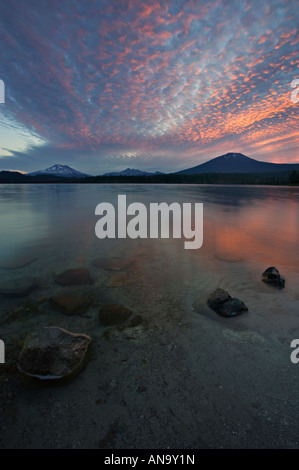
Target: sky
<point>102,85</point>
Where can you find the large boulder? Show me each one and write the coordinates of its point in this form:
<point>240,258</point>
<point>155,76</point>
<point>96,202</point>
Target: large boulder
<point>222,303</point>
<point>52,353</point>
<point>272,276</point>
<point>74,277</point>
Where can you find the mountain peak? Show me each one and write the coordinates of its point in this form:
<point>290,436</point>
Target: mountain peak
<point>234,155</point>
<point>231,162</point>
<point>59,170</point>
<point>59,165</point>
<point>131,172</point>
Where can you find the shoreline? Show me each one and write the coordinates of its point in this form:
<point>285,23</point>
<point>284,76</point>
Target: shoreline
<point>198,385</point>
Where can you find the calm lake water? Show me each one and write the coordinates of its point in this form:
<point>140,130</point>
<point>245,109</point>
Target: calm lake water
<point>246,230</point>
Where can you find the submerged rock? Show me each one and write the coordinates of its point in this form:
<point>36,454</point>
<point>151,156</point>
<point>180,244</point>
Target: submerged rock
<point>113,314</point>
<point>217,297</point>
<point>112,264</point>
<point>119,280</point>
<point>222,303</point>
<point>272,276</point>
<point>69,305</point>
<point>52,353</point>
<point>18,287</point>
<point>74,277</point>
<point>16,262</point>
<point>231,307</point>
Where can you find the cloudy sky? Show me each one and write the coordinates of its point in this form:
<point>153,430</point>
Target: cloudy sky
<point>104,85</point>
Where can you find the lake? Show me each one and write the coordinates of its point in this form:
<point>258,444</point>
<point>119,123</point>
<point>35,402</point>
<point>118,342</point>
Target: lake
<point>246,230</point>
<point>179,377</point>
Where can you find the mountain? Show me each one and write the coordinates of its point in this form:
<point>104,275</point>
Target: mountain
<point>238,163</point>
<point>132,172</point>
<point>59,170</point>
<point>12,177</point>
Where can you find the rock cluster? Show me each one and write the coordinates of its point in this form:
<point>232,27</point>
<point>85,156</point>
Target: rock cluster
<point>222,303</point>
<point>51,353</point>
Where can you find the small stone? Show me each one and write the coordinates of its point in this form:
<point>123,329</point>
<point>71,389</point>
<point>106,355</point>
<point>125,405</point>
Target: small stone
<point>52,353</point>
<point>18,287</point>
<point>113,314</point>
<point>272,276</point>
<point>16,262</point>
<point>112,264</point>
<point>74,277</point>
<point>222,303</point>
<point>68,305</point>
<point>119,280</point>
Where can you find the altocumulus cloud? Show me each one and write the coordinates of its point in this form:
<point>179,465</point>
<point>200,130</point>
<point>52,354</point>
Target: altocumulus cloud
<point>157,85</point>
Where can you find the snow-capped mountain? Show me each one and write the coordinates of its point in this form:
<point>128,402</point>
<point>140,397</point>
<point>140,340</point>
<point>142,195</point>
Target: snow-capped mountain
<point>132,172</point>
<point>59,170</point>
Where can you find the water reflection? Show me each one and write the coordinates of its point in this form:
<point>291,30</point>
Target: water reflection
<point>239,222</point>
<point>246,230</point>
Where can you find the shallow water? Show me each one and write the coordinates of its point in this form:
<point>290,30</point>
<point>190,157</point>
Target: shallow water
<point>246,230</point>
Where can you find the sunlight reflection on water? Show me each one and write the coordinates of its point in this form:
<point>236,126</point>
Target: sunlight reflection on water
<point>246,230</point>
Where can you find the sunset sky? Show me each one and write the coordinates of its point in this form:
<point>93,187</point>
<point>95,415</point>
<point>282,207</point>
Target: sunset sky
<point>102,85</point>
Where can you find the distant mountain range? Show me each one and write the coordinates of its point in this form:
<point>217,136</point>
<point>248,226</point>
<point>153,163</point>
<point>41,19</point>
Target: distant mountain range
<point>132,172</point>
<point>238,163</point>
<point>230,163</point>
<point>59,170</point>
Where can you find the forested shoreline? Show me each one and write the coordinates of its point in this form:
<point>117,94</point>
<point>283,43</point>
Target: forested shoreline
<point>286,178</point>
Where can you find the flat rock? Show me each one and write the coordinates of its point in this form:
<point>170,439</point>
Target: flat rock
<point>112,264</point>
<point>272,276</point>
<point>113,314</point>
<point>16,262</point>
<point>18,287</point>
<point>119,280</point>
<point>222,303</point>
<point>68,305</point>
<point>74,277</point>
<point>52,353</point>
